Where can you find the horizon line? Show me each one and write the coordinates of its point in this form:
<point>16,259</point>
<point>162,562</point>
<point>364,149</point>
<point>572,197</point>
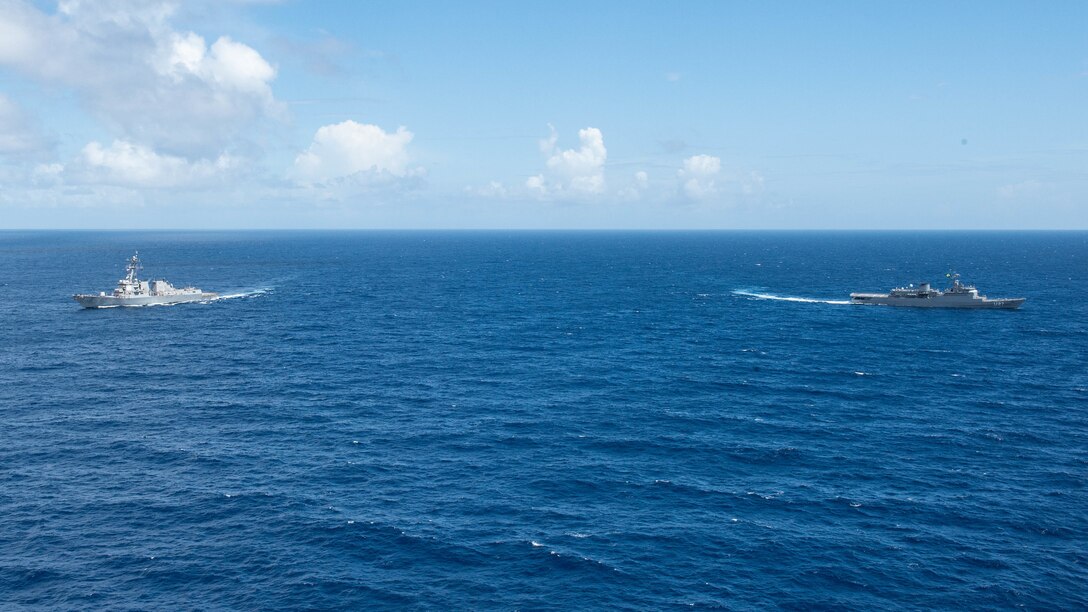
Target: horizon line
<point>521,229</point>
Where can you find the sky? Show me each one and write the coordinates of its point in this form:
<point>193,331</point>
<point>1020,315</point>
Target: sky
<point>566,115</point>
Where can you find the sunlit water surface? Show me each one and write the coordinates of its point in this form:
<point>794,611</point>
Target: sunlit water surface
<point>543,420</point>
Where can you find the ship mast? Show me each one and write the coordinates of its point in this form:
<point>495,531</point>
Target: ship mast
<point>955,278</point>
<point>132,267</point>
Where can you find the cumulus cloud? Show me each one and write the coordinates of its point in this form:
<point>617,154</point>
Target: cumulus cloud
<point>699,176</point>
<point>535,184</point>
<point>355,149</point>
<point>147,82</point>
<point>227,64</point>
<point>131,165</point>
<point>573,171</point>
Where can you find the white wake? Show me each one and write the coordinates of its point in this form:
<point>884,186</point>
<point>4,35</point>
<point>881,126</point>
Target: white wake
<point>247,293</point>
<point>787,298</point>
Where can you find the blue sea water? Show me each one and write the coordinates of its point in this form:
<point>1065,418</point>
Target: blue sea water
<point>535,420</point>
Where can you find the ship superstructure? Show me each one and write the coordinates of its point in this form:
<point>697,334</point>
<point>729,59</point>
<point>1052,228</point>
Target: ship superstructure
<point>131,291</point>
<point>958,295</point>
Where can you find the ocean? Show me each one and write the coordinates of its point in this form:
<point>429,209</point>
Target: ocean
<point>543,420</point>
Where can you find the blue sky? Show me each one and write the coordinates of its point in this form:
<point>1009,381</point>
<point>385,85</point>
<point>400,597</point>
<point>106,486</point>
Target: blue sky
<point>150,114</point>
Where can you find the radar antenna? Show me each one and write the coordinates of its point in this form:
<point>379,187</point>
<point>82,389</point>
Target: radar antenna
<point>132,267</point>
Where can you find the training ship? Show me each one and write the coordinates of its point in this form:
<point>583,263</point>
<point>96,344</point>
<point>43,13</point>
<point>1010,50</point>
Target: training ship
<point>131,291</point>
<point>924,296</point>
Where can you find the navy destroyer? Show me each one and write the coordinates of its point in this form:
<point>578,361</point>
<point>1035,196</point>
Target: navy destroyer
<point>132,291</point>
<point>958,295</point>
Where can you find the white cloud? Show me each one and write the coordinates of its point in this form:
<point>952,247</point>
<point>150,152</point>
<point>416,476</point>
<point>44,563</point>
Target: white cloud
<point>573,171</point>
<point>228,65</point>
<point>493,189</point>
<point>107,15</point>
<point>699,176</point>
<point>17,28</point>
<point>547,145</point>
<point>18,136</point>
<point>147,82</point>
<point>47,174</point>
<point>1026,189</point>
<point>640,182</point>
<point>350,148</point>
<point>535,184</point>
<point>752,183</point>
<point>131,165</point>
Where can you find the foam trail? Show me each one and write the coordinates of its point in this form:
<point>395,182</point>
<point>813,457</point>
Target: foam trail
<point>786,298</point>
<point>243,294</point>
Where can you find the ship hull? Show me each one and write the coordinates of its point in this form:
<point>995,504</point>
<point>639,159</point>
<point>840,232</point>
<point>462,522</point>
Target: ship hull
<point>113,301</point>
<point>936,302</point>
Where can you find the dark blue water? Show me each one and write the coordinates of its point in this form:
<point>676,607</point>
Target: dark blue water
<point>543,420</point>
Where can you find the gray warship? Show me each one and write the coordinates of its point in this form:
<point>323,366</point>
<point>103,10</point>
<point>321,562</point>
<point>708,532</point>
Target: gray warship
<point>131,291</point>
<point>958,295</point>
